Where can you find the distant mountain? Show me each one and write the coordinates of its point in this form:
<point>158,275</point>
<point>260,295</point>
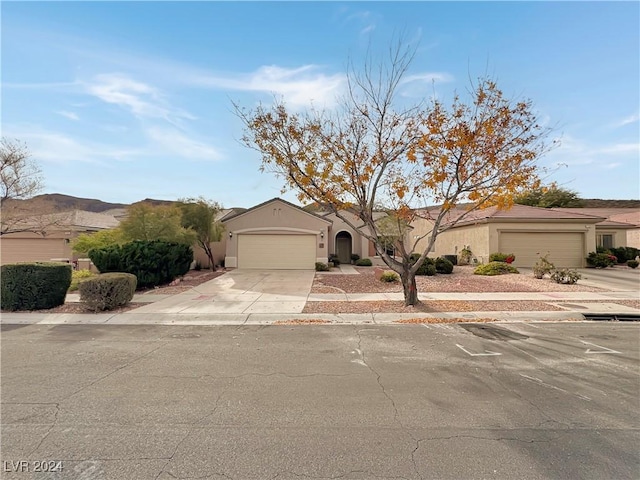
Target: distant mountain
<point>59,202</point>
<point>599,203</point>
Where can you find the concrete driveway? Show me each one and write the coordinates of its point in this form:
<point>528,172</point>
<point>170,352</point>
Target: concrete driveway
<point>242,291</point>
<point>612,278</point>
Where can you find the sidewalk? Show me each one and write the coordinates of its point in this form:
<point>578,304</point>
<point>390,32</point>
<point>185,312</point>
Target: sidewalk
<point>234,300</point>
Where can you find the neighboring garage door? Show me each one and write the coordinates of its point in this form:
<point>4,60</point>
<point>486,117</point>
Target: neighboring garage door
<point>565,249</point>
<point>31,249</point>
<point>280,252</point>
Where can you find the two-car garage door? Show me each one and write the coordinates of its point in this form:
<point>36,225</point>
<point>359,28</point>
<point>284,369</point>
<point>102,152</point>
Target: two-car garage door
<point>565,249</point>
<point>279,252</point>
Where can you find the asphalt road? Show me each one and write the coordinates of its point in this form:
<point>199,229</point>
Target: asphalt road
<point>522,400</point>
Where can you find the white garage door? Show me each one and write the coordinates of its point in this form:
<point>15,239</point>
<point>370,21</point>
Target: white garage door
<point>279,252</point>
<point>565,249</point>
<point>14,250</point>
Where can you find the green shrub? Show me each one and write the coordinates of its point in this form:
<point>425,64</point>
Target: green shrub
<point>198,266</point>
<point>322,267</point>
<point>502,257</point>
<point>333,258</point>
<point>601,260</point>
<point>428,266</point>
<point>543,267</point>
<point>107,291</point>
<point>624,253</point>
<point>355,257</point>
<point>633,263</point>
<point>465,256</point>
<point>498,257</point>
<point>34,286</point>
<point>77,276</point>
<point>389,277</point>
<point>364,262</point>
<point>495,268</point>
<point>443,265</point>
<point>565,276</point>
<point>452,258</point>
<point>152,262</point>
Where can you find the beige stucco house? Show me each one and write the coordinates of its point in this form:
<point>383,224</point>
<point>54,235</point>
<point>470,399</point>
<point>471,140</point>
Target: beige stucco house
<point>527,232</point>
<point>620,227</point>
<point>54,243</point>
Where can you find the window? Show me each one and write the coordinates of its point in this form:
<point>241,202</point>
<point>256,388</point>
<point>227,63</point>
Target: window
<point>605,240</point>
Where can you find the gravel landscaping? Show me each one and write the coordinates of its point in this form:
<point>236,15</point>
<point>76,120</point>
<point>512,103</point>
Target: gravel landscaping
<point>461,280</point>
<point>431,306</point>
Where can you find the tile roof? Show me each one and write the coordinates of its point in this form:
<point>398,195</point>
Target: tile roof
<point>516,212</point>
<point>225,219</point>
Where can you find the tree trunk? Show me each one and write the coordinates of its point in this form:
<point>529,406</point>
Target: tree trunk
<point>409,287</point>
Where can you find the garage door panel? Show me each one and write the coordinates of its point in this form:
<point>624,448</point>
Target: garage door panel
<point>279,252</point>
<point>565,249</point>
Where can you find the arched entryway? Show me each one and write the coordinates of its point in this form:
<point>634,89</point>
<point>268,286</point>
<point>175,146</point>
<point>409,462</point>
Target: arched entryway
<point>343,247</point>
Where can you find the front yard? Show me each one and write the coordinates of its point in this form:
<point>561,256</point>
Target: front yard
<point>461,280</point>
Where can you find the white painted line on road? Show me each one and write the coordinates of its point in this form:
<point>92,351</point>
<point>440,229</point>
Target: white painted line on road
<point>537,380</point>
<point>487,354</point>
<point>426,326</point>
<point>604,349</point>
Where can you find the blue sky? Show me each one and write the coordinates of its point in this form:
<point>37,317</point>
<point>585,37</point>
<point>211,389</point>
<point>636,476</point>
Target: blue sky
<point>122,101</point>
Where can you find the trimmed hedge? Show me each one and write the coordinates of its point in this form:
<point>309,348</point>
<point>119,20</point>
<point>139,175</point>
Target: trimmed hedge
<point>322,267</point>
<point>601,260</point>
<point>34,286</point>
<point>443,265</point>
<point>495,268</point>
<point>152,262</point>
<point>364,262</point>
<point>428,266</point>
<point>107,291</point>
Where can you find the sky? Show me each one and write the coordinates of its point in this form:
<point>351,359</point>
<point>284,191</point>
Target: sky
<point>123,101</point>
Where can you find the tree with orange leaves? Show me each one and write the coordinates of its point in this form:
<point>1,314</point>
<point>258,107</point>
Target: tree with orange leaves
<point>369,156</point>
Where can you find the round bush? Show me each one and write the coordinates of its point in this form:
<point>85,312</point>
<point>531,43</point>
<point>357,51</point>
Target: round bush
<point>107,290</point>
<point>34,286</point>
<point>633,263</point>
<point>495,268</point>
<point>389,277</point>
<point>364,262</point>
<point>443,265</point>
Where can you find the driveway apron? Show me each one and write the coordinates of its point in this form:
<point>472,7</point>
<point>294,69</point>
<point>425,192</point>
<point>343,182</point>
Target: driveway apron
<point>242,291</point>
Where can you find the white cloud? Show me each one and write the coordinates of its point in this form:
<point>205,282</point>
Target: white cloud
<point>299,86</point>
<point>628,120</point>
<point>69,115</point>
<point>172,141</point>
<point>55,147</point>
<point>141,99</point>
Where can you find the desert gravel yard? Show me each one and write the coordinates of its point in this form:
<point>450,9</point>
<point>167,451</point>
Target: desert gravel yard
<point>461,280</point>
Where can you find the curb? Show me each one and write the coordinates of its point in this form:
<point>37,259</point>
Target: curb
<point>132,318</point>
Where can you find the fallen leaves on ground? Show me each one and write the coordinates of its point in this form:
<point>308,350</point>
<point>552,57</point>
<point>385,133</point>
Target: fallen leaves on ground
<point>431,306</point>
<point>302,321</point>
<point>446,320</point>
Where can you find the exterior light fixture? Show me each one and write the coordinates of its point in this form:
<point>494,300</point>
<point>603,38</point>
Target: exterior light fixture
<point>321,234</point>
<point>230,234</point>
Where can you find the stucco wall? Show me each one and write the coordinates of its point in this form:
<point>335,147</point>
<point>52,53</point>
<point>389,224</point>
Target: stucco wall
<point>474,237</point>
<point>619,236</point>
<point>633,238</point>
<point>359,244</point>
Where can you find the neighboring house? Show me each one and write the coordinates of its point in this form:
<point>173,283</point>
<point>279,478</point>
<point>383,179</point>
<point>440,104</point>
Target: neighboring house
<point>55,241</point>
<point>621,227</point>
<point>527,232</point>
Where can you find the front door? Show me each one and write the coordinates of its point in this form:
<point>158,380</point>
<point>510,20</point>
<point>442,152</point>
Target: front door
<point>343,247</point>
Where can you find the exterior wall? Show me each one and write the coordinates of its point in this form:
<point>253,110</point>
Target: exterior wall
<point>218,248</point>
<point>278,218</point>
<point>633,237</point>
<point>359,244</point>
<point>474,237</point>
<point>31,247</point>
